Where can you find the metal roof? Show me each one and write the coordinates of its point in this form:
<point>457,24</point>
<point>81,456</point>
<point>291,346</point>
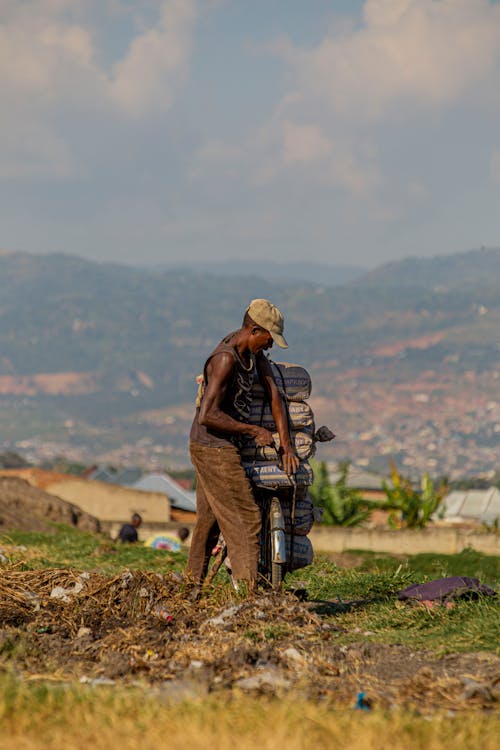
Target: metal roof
<point>122,476</point>
<point>358,478</point>
<point>480,505</point>
<point>178,496</point>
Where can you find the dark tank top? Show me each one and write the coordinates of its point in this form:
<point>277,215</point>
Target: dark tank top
<point>237,399</point>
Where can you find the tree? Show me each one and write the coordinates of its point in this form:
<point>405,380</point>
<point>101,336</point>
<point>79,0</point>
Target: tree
<point>341,505</point>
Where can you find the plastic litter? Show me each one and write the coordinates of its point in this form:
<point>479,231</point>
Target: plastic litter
<point>362,702</point>
<point>162,613</point>
<point>224,616</point>
<point>59,592</point>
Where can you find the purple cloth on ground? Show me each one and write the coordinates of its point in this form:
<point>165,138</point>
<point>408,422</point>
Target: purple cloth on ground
<point>445,588</point>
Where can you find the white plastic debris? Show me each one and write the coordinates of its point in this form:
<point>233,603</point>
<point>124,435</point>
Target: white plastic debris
<point>293,655</point>
<point>126,578</point>
<point>59,592</point>
<point>268,678</point>
<point>83,632</point>
<point>224,617</point>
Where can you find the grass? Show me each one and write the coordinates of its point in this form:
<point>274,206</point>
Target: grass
<point>52,715</point>
<point>55,717</point>
<point>372,585</point>
<point>466,563</point>
<point>376,615</point>
<point>70,548</point>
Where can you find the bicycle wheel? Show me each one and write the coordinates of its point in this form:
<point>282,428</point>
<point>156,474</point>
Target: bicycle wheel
<point>276,575</point>
<point>277,543</point>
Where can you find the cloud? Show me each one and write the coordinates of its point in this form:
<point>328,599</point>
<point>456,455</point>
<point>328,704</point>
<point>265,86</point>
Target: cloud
<point>305,143</point>
<point>334,163</point>
<point>31,150</point>
<point>379,128</point>
<point>43,55</point>
<point>52,75</point>
<point>406,61</point>
<point>146,79</point>
<point>407,53</point>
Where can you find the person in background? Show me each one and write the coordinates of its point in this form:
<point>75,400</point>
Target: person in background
<point>183,533</point>
<point>128,532</point>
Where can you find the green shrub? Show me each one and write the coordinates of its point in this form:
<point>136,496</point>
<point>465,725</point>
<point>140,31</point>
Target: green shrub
<point>412,507</point>
<point>341,505</point>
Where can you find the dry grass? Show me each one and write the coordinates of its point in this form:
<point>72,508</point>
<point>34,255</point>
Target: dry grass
<point>420,699</point>
<point>36,717</point>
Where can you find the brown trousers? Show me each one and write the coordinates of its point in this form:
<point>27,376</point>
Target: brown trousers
<point>224,502</point>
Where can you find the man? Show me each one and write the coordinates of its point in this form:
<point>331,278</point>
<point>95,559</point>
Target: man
<point>128,532</point>
<point>224,496</point>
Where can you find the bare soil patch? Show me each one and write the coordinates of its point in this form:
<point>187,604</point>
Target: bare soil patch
<point>28,508</point>
<point>92,627</point>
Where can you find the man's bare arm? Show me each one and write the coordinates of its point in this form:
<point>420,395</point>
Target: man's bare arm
<point>290,459</point>
<point>219,372</point>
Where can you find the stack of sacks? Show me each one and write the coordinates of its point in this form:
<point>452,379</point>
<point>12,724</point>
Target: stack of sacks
<point>262,464</point>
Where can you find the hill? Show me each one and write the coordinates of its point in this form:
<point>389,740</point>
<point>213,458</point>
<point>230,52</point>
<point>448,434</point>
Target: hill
<point>313,273</point>
<point>468,270</point>
<point>97,356</point>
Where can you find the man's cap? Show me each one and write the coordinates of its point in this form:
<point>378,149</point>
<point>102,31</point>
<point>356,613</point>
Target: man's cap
<point>267,316</point>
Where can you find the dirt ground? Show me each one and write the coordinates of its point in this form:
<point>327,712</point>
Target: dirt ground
<point>28,508</point>
<point>139,628</point>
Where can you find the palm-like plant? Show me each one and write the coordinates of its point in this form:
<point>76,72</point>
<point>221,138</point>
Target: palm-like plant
<point>414,508</point>
<point>341,505</point>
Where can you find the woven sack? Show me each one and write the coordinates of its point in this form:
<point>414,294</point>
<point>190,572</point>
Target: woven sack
<point>301,441</point>
<point>293,381</point>
<point>300,415</point>
<point>268,475</point>
<point>303,553</point>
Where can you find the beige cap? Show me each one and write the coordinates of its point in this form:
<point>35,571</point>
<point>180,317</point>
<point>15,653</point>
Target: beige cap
<point>267,316</point>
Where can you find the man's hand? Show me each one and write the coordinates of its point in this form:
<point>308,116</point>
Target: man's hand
<point>290,460</point>
<point>262,436</point>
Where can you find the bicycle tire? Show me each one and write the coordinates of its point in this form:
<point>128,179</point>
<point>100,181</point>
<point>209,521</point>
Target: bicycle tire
<point>276,575</point>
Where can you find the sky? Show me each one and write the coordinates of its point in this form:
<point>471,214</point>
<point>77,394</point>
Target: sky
<point>170,131</point>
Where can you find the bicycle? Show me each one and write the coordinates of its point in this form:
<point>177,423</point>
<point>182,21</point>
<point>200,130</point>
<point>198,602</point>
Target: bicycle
<point>272,544</point>
<point>276,557</point>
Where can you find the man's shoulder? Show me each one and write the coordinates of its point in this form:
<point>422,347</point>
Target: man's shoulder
<point>224,357</point>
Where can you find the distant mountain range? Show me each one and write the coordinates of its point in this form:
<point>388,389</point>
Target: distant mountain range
<point>103,342</point>
<point>303,272</point>
<point>476,268</point>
